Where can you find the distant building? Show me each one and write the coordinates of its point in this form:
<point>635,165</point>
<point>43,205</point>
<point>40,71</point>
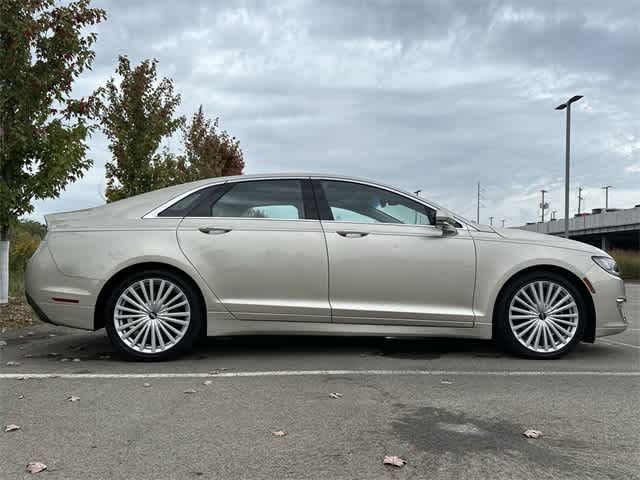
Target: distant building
<point>608,229</point>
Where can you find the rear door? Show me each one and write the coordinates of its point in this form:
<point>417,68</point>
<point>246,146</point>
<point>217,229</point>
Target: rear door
<point>389,264</point>
<point>259,245</point>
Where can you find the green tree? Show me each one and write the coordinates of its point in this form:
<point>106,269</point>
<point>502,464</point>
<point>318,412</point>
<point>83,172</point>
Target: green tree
<point>44,47</point>
<point>136,114</point>
<point>209,152</point>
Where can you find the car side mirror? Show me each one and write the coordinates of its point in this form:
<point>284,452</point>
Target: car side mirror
<point>444,224</point>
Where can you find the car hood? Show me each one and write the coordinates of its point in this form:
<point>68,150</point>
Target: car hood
<point>525,236</point>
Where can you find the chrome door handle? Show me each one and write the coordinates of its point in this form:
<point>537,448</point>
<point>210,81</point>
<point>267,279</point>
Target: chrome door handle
<point>348,234</point>
<point>214,230</point>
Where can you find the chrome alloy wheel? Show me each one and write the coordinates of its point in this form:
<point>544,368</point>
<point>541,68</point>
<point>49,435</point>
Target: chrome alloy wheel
<point>543,316</point>
<point>152,315</point>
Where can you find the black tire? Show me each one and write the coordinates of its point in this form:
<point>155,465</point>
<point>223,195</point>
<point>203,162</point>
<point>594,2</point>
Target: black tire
<point>193,331</point>
<point>503,331</point>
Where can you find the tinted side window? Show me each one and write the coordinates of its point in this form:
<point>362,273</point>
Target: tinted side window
<point>353,202</point>
<point>280,199</point>
<point>183,206</point>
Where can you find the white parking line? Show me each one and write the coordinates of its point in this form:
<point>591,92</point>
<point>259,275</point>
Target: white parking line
<point>615,342</point>
<point>303,373</point>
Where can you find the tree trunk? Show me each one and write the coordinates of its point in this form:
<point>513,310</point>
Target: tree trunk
<point>4,264</point>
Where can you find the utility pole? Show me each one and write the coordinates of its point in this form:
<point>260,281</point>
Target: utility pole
<point>606,196</point>
<point>580,198</point>
<point>503,223</point>
<point>491,221</point>
<point>543,206</point>
<point>478,209</point>
<point>567,106</point>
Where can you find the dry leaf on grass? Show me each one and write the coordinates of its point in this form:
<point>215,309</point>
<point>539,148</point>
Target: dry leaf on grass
<point>11,427</point>
<point>394,460</point>
<point>36,467</point>
<point>532,433</point>
<point>279,433</point>
<point>335,395</point>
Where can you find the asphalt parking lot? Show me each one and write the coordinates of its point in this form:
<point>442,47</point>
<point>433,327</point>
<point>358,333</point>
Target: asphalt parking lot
<point>450,408</point>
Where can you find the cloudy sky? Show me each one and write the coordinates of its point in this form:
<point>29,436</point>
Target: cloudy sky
<point>432,95</point>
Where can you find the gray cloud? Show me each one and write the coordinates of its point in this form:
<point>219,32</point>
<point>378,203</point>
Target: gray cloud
<point>434,95</point>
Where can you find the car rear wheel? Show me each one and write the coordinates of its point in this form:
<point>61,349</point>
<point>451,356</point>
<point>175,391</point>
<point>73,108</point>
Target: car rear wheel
<point>540,315</point>
<point>153,315</point>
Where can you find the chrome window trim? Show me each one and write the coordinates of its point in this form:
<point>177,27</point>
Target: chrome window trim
<point>154,213</point>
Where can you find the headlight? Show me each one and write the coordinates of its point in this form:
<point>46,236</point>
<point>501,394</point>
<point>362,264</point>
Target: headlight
<point>608,264</point>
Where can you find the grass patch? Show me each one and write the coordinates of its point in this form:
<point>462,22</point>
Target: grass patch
<point>628,262</point>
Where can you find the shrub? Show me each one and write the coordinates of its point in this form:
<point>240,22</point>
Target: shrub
<point>25,238</point>
<point>629,263</point>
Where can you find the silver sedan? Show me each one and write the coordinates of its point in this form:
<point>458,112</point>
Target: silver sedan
<point>314,254</point>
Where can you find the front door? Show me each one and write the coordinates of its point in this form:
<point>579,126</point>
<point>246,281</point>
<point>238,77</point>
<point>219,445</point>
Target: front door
<point>261,251</point>
<point>389,264</point>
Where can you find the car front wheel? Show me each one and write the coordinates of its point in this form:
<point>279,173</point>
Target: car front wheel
<point>541,315</point>
<point>153,315</point>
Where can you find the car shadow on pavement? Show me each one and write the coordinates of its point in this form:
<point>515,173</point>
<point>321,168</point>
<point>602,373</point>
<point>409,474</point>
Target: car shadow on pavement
<point>51,344</point>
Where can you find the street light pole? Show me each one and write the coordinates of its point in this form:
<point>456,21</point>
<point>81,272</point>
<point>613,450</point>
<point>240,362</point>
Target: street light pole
<point>542,205</point>
<point>567,106</point>
<point>580,198</point>
<point>606,196</point>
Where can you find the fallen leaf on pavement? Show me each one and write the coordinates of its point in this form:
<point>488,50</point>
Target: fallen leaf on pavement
<point>532,433</point>
<point>190,390</point>
<point>20,397</point>
<point>11,427</point>
<point>52,334</point>
<point>75,360</point>
<point>279,433</point>
<point>72,398</point>
<point>3,343</point>
<point>446,382</point>
<point>335,395</point>
<point>13,364</point>
<point>30,334</point>
<point>217,371</point>
<point>207,382</point>
<point>147,385</point>
<point>394,460</point>
<point>27,355</point>
<point>64,359</point>
<point>36,467</point>
<point>52,354</point>
<point>104,357</point>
